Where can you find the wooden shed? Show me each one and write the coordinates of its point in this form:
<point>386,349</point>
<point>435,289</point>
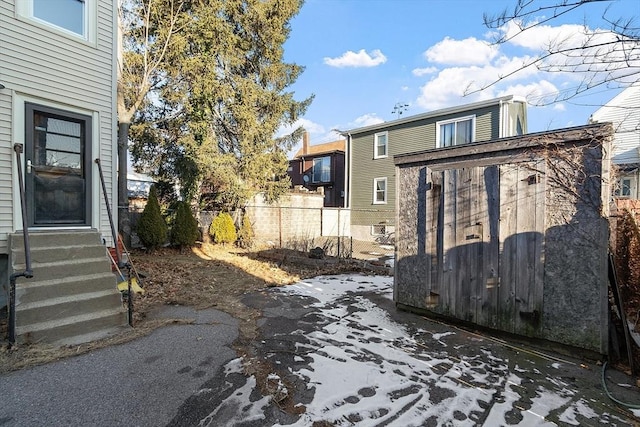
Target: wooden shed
<point>510,234</point>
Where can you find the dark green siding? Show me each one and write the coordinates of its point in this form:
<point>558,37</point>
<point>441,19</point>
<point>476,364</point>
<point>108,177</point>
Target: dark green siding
<point>404,138</point>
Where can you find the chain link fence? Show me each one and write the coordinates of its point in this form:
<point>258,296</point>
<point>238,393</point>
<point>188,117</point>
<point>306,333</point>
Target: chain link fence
<point>332,229</point>
<point>366,234</point>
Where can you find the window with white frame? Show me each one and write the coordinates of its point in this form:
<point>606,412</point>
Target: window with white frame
<point>378,230</point>
<point>624,187</point>
<point>380,145</point>
<point>455,132</point>
<point>69,16</point>
<point>321,169</point>
<point>379,191</point>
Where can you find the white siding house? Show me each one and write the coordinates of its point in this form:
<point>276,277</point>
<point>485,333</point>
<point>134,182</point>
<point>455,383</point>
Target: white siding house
<point>624,112</point>
<point>58,100</point>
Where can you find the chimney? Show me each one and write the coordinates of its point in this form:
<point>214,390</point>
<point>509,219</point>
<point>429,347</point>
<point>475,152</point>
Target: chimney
<point>305,143</point>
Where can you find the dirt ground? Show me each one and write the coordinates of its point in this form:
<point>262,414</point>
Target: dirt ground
<point>202,277</point>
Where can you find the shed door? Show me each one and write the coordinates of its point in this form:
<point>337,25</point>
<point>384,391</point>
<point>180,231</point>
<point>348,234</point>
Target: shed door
<point>57,167</point>
<point>522,207</point>
<point>484,227</point>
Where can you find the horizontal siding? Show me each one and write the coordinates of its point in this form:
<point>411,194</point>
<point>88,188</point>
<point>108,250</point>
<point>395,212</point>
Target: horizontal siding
<point>40,63</point>
<point>624,112</point>
<point>6,197</point>
<point>402,139</point>
<point>488,123</point>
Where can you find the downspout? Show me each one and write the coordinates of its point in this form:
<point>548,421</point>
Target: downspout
<point>502,121</point>
<point>347,175</point>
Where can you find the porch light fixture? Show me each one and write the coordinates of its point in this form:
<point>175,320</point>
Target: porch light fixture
<point>2,86</point>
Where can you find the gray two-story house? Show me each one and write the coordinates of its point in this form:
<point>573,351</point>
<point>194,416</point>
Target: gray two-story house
<point>57,117</point>
<point>371,183</point>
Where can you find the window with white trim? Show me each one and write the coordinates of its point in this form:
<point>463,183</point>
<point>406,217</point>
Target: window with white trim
<point>378,229</point>
<point>455,132</point>
<point>624,187</point>
<point>380,143</point>
<point>379,191</point>
<point>321,169</point>
<point>72,17</point>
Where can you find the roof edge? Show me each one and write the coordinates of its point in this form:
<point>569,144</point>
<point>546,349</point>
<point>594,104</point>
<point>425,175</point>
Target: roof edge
<point>436,113</point>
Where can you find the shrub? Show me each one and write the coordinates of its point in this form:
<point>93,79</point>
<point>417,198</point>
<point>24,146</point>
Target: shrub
<point>152,229</point>
<point>185,227</point>
<point>246,234</point>
<point>223,229</point>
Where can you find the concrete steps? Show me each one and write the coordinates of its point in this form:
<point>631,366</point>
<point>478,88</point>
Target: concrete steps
<point>72,297</point>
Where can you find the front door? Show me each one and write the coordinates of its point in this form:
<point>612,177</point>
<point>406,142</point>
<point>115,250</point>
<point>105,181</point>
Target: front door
<point>58,165</point>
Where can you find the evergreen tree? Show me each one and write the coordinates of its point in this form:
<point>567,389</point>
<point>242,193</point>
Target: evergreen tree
<point>152,229</point>
<point>222,229</point>
<point>185,227</point>
<point>222,99</point>
<point>246,233</point>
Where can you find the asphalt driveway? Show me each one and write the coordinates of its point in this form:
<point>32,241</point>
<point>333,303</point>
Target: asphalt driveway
<point>339,350</point>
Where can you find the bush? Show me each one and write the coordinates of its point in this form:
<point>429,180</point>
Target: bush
<point>246,234</point>
<point>185,227</point>
<point>151,228</point>
<point>223,229</point>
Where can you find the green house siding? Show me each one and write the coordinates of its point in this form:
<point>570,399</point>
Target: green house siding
<point>403,138</point>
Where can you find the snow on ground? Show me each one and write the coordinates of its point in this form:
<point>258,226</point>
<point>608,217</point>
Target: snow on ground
<point>368,370</point>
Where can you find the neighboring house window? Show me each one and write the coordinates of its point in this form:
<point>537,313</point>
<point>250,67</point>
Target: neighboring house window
<point>625,187</point>
<point>381,141</point>
<point>519,130</point>
<point>321,169</point>
<point>455,132</point>
<point>379,190</point>
<point>378,229</point>
<point>69,16</point>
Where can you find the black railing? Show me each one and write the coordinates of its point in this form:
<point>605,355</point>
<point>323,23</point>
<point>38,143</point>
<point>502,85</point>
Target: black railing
<point>114,234</point>
<point>119,263</point>
<point>27,272</point>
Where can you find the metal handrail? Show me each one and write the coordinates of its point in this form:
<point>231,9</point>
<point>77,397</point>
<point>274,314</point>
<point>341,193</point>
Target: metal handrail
<point>119,261</point>
<point>113,227</point>
<point>27,272</point>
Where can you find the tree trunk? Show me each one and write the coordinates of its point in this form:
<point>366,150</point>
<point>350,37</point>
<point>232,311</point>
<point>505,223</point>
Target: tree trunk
<point>124,223</point>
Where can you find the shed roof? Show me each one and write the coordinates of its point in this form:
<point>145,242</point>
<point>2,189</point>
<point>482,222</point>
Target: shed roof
<point>557,136</point>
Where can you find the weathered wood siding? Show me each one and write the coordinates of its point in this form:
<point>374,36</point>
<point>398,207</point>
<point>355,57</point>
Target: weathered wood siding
<point>45,66</point>
<point>510,235</point>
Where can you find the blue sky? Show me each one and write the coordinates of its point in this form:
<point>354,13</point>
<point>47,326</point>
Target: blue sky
<point>363,57</point>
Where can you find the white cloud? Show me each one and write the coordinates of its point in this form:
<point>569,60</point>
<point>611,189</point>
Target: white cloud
<point>578,52</point>
<point>537,93</point>
<point>469,51</point>
<point>360,59</point>
<point>560,107</point>
<point>540,37</point>
<point>419,72</point>
<point>475,67</point>
<point>366,120</point>
<point>309,126</point>
<point>404,88</point>
<point>458,85</point>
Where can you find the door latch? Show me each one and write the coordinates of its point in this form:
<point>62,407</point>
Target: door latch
<point>28,166</point>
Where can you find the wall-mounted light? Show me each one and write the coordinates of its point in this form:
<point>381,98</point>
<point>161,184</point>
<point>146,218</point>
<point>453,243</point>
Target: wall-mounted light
<point>1,86</point>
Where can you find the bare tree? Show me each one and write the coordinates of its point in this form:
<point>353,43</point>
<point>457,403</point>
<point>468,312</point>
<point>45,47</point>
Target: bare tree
<point>146,29</point>
<point>601,57</point>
